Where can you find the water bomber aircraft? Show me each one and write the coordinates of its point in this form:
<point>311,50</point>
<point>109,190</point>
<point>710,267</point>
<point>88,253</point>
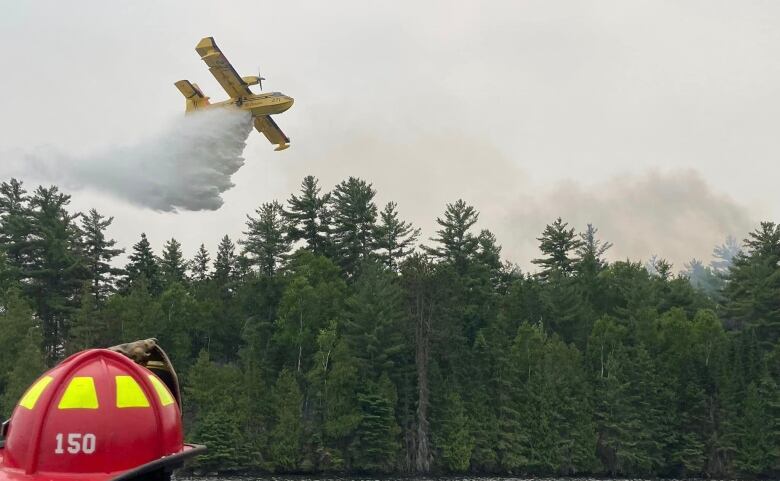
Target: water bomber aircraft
<point>261,106</point>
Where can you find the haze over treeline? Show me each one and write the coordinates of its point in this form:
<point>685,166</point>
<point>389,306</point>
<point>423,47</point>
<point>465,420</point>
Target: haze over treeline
<point>330,338</point>
<point>652,120</point>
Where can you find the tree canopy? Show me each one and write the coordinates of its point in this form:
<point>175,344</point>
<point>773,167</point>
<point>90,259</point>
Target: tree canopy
<point>325,340</point>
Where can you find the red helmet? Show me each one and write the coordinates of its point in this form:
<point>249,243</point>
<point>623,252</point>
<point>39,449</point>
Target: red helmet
<point>96,416</point>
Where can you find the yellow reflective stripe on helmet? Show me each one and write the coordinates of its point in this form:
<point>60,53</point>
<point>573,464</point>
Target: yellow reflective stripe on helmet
<point>129,393</point>
<point>162,391</point>
<point>80,394</point>
<point>31,396</point>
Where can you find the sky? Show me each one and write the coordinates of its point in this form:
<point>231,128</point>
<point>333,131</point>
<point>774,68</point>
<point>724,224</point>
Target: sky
<point>654,120</point>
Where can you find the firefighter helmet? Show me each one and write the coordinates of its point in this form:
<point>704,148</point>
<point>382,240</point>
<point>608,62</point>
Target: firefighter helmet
<point>96,416</point>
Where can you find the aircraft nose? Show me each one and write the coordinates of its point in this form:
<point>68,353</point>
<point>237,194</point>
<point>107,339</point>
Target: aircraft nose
<point>289,100</point>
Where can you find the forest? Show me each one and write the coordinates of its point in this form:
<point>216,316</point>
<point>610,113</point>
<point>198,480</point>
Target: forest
<point>331,338</point>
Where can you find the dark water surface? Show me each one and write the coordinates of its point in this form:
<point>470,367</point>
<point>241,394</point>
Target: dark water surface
<point>389,478</point>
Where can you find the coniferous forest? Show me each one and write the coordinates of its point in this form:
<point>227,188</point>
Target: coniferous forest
<point>331,338</point>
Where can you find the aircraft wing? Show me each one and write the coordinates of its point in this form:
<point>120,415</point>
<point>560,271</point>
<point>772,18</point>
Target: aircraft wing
<point>272,132</point>
<point>221,69</point>
<point>189,90</point>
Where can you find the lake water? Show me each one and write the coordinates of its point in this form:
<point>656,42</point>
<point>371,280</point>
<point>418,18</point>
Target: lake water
<point>381,478</point>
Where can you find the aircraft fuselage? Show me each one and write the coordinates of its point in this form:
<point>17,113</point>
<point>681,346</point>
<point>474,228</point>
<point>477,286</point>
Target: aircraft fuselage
<point>269,103</point>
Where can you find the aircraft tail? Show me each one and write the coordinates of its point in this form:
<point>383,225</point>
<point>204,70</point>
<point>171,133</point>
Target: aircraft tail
<point>193,94</point>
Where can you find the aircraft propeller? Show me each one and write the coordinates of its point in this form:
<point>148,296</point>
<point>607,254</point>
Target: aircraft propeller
<point>260,82</point>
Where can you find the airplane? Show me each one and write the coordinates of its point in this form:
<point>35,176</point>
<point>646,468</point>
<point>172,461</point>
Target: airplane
<point>261,106</point>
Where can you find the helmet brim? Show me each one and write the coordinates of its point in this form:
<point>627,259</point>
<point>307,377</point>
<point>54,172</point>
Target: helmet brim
<point>166,463</point>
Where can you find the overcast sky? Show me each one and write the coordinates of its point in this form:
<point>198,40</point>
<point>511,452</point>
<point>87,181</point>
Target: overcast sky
<point>654,120</point>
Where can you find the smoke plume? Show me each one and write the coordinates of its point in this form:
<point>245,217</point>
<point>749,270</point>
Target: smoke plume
<point>187,166</point>
<point>674,214</point>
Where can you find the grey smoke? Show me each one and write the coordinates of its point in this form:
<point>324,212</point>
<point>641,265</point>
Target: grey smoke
<point>675,214</point>
<point>187,166</point>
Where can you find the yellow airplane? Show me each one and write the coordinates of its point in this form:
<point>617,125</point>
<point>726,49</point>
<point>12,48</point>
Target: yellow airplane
<point>262,106</point>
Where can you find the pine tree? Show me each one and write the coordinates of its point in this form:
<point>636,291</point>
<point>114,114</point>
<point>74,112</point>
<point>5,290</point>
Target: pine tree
<point>99,253</point>
<point>308,217</point>
<point>219,404</point>
<point>218,431</point>
<point>225,264</point>
<point>173,267</point>
<point>452,438</point>
<point>394,238</point>
<point>759,439</point>
<point>703,278</point>
<point>591,251</point>
<point>376,442</point>
<point>16,225</point>
<point>134,315</point>
<point>354,222</point>
<point>27,366</point>
<point>143,264</point>
<point>87,330</point>
<point>16,321</point>
<point>373,322</point>
<point>267,244</point>
<point>753,289</point>
<point>558,244</point>
<point>456,244</point>
<point>420,285</point>
<point>56,272</point>
<point>200,264</point>
<point>724,254</point>
<point>175,330</point>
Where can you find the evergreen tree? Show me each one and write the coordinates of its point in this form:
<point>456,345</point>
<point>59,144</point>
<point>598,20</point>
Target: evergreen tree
<point>219,405</point>
<point>449,362</point>
<point>420,286</point>
<point>99,253</point>
<point>376,441</point>
<point>218,431</point>
<point>353,223</point>
<point>28,365</point>
<point>591,250</point>
<point>373,324</point>
<point>308,217</point>
<point>16,225</point>
<point>18,329</point>
<point>452,438</point>
<point>87,329</point>
<point>225,265</point>
<point>142,264</point>
<point>267,244</point>
<point>659,267</point>
<point>753,290</point>
<point>173,267</point>
<point>176,328</point>
<point>703,278</point>
<point>56,272</point>
<point>758,448</point>
<point>199,266</point>
<point>394,238</point>
<point>456,244</point>
<point>724,254</point>
<point>488,251</point>
<point>134,315</point>
<point>559,244</point>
